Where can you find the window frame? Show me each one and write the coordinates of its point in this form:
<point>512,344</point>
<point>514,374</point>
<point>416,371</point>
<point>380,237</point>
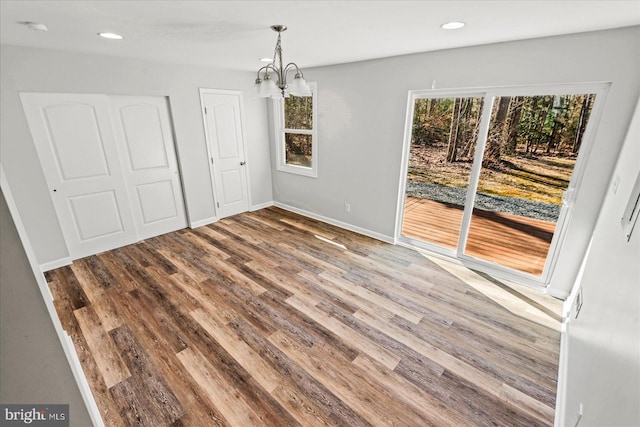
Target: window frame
<point>490,93</point>
<point>281,131</point>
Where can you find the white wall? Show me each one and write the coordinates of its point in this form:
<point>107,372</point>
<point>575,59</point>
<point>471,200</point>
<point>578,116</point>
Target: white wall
<point>603,342</point>
<point>362,116</point>
<point>36,70</point>
<point>28,334</point>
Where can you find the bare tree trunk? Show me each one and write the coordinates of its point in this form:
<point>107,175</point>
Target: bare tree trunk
<point>471,143</point>
<point>582,124</point>
<point>511,143</point>
<point>496,134</point>
<point>534,108</point>
<point>541,118</point>
<point>453,131</point>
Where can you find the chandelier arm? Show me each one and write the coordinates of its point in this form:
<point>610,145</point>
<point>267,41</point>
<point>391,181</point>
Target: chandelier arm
<point>277,65</point>
<point>293,64</point>
<point>263,69</point>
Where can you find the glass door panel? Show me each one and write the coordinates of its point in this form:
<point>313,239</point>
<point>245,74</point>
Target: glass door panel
<point>443,141</point>
<point>529,156</point>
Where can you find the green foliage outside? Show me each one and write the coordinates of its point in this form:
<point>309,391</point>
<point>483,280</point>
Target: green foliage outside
<point>531,147</point>
<point>298,115</point>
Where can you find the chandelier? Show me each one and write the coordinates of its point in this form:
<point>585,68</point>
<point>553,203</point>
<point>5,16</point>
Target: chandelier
<point>265,84</point>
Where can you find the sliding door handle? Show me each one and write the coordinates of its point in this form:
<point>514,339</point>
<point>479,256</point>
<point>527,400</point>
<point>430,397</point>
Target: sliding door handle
<point>243,163</point>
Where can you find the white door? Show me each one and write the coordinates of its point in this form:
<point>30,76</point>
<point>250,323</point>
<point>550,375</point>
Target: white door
<point>149,164</point>
<point>111,167</point>
<point>77,149</point>
<point>224,131</point>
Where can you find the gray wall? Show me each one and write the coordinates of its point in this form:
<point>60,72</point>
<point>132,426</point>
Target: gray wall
<point>33,367</point>
<point>603,343</point>
<point>362,110</point>
<point>38,70</point>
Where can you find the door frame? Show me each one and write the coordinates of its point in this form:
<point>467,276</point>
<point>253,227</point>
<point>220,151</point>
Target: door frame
<point>238,93</point>
<point>490,93</point>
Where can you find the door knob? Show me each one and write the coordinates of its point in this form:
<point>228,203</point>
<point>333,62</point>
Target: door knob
<point>243,163</point>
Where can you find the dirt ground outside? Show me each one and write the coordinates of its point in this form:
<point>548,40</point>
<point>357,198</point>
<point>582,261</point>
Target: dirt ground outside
<point>541,178</point>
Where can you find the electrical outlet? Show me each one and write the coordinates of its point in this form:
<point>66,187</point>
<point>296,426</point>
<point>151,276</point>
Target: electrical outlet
<point>347,207</point>
<point>615,184</point>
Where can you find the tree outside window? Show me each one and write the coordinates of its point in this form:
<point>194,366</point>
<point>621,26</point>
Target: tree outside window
<point>297,142</point>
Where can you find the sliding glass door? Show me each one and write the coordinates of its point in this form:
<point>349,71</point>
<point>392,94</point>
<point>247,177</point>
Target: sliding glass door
<point>490,175</point>
<point>444,135</point>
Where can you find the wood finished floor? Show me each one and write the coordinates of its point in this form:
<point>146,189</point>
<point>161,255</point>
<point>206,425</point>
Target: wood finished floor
<point>273,319</point>
<point>510,240</point>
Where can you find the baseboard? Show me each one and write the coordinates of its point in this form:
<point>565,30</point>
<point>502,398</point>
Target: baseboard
<point>344,225</point>
<point>563,366</point>
<point>261,206</point>
<point>56,263</point>
<point>207,221</point>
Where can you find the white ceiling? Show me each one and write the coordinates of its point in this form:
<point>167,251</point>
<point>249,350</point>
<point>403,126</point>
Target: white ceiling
<point>235,34</point>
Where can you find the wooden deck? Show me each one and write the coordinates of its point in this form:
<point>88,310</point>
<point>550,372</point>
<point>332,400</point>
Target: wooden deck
<point>271,319</point>
<point>510,240</point>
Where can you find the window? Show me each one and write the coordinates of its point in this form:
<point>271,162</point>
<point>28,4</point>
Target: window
<point>490,174</point>
<point>296,137</point>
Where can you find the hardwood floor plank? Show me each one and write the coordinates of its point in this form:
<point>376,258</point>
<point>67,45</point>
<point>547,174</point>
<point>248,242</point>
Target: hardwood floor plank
<point>484,358</point>
<point>482,379</point>
<point>365,345</point>
<point>125,282</point>
<point>100,272</point>
<point>162,340</point>
<point>284,280</point>
<point>111,366</point>
<point>272,319</point>
<point>73,292</point>
<point>160,399</point>
<point>108,311</point>
<point>434,411</point>
<point>225,395</point>
<point>135,407</point>
<point>88,282</point>
<point>109,410</point>
<point>398,350</point>
<point>373,297</point>
<point>267,377</point>
<point>353,387</point>
<point>355,301</point>
<point>329,408</point>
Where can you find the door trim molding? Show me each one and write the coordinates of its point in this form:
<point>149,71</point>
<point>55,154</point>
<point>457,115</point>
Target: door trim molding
<point>56,263</point>
<point>203,91</point>
<point>200,223</point>
<point>63,337</point>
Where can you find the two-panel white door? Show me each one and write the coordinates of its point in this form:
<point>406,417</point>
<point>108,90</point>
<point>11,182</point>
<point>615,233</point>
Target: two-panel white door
<point>110,165</point>
<point>149,163</point>
<point>225,137</point>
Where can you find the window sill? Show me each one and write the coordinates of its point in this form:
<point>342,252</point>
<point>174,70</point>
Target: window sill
<point>298,170</point>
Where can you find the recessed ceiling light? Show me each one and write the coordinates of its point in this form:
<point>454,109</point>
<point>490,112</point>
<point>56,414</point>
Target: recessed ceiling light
<point>454,25</point>
<point>266,59</point>
<point>111,36</point>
